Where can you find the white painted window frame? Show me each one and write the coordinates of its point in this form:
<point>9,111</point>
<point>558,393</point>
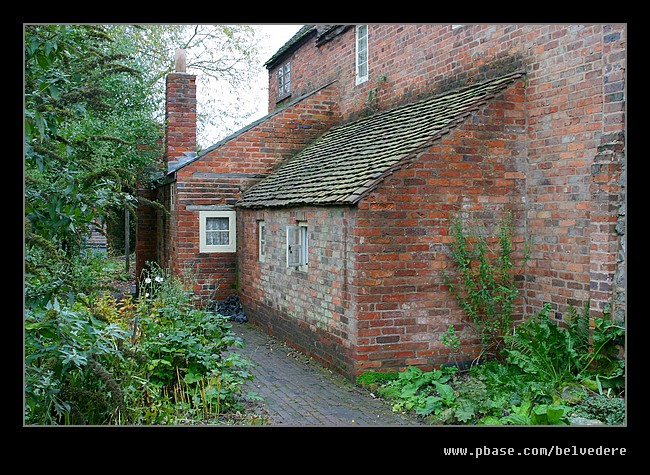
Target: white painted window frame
<point>232,231</point>
<point>361,44</point>
<point>284,79</point>
<point>261,243</point>
<point>298,246</point>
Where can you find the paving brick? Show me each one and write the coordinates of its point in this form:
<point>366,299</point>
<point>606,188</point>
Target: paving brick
<point>298,391</point>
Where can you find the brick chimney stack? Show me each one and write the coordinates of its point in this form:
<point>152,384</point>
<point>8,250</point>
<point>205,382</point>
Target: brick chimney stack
<point>180,113</point>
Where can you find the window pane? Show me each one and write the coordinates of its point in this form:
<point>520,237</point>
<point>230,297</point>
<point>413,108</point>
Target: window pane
<point>305,244</point>
<point>293,246</point>
<point>362,52</point>
<point>217,224</point>
<point>295,253</point>
<point>217,238</point>
<point>362,37</point>
<point>217,231</point>
<point>363,57</point>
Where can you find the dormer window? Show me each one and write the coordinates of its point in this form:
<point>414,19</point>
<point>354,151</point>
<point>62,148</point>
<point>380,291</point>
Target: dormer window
<point>362,54</point>
<point>284,80</point>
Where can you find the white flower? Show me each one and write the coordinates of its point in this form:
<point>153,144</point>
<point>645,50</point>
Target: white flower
<point>159,279</point>
<point>160,335</point>
<point>147,280</point>
<point>146,294</point>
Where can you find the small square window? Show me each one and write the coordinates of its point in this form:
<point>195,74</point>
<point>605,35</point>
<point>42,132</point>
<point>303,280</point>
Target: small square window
<point>217,231</point>
<point>298,246</point>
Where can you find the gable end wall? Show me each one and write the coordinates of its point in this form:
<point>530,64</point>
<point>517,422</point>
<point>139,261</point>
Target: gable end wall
<point>401,237</point>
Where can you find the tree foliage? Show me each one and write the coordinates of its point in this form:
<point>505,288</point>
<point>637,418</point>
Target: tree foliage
<point>94,114</point>
<point>93,123</point>
<point>225,59</point>
<point>89,132</point>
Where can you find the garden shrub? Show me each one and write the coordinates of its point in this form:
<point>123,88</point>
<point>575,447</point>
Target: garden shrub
<point>607,409</point>
<point>550,374</point>
<point>556,355</point>
<point>90,359</point>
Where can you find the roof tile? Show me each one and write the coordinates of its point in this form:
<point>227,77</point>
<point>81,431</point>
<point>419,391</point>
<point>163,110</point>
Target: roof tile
<point>350,160</point>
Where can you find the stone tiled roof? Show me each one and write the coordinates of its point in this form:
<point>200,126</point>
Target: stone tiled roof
<point>350,160</point>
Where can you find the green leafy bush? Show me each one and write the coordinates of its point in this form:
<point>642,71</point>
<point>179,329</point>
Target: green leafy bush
<point>557,355</point>
<point>370,379</point>
<point>550,374</point>
<point>610,410</point>
<point>540,347</point>
<point>528,413</point>
<point>67,353</point>
<point>423,392</point>
<point>150,360</point>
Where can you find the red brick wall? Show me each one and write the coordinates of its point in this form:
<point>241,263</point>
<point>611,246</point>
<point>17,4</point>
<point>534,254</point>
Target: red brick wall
<point>373,295</point>
<point>563,175</point>
<point>401,236</point>
<point>146,231</point>
<point>215,180</point>
<point>310,309</point>
<point>575,106</point>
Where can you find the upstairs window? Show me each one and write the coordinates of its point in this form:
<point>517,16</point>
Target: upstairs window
<point>362,54</point>
<point>284,80</point>
<point>298,246</point>
<point>217,231</point>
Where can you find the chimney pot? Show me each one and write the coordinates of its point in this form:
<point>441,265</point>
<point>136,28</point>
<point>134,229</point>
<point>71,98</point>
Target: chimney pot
<point>180,60</point>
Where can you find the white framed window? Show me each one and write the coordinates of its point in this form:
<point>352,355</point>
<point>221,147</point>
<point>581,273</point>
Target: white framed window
<point>362,54</point>
<point>284,79</point>
<point>217,231</point>
<point>261,234</point>
<point>298,246</point>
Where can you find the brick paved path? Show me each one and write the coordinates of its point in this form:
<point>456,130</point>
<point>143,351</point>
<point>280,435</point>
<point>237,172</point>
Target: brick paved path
<point>298,391</point>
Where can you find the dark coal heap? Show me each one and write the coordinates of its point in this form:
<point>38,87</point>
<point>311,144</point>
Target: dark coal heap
<point>230,307</point>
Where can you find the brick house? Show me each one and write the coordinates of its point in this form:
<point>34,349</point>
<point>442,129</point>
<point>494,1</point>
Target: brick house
<point>330,216</point>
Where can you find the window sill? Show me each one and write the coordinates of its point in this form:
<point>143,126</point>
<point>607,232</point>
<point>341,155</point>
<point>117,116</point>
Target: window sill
<point>282,97</point>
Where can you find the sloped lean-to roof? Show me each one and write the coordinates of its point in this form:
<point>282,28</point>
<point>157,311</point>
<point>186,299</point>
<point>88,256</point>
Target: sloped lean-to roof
<point>349,161</point>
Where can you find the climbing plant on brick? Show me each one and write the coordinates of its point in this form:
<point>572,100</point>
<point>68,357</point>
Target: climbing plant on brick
<point>486,287</point>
